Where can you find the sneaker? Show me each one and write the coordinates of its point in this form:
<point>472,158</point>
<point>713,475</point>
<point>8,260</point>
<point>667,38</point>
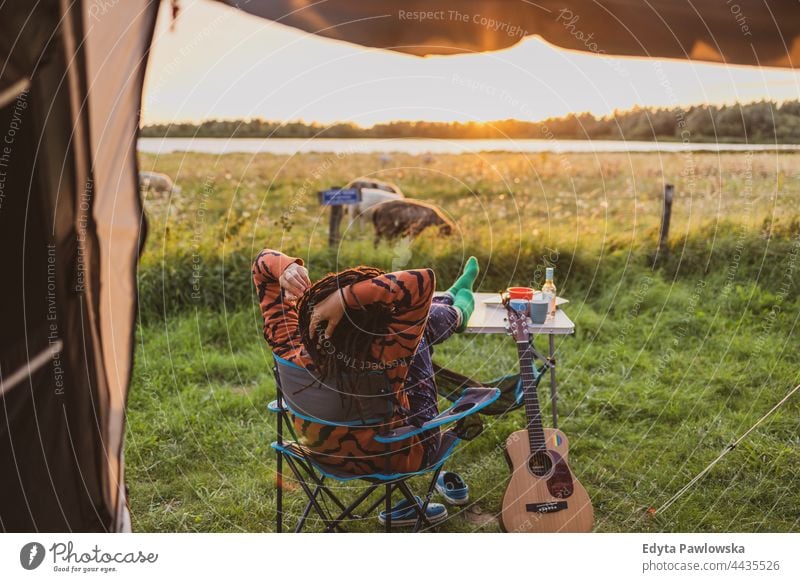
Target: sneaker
<point>404,513</point>
<point>453,488</point>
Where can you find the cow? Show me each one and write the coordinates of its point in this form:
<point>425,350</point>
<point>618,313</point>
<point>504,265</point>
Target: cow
<point>157,182</point>
<point>398,218</point>
<point>373,192</point>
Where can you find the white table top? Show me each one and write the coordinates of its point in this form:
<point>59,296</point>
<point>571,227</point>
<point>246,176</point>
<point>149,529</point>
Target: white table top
<point>492,318</point>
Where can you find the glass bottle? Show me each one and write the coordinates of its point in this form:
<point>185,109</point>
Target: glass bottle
<point>549,291</point>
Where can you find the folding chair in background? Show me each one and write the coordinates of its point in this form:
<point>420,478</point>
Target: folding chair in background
<point>302,394</point>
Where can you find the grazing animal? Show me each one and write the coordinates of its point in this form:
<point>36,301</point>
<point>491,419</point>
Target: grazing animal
<point>408,218</point>
<point>373,192</point>
<point>157,182</point>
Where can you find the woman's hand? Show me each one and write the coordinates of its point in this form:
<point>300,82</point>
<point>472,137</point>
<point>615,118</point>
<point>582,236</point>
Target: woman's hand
<point>294,280</point>
<point>330,309</point>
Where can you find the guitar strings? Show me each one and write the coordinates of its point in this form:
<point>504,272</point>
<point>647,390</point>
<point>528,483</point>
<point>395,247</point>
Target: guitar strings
<point>667,504</point>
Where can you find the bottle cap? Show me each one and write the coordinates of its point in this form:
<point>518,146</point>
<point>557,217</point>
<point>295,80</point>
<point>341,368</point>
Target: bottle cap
<point>548,273</point>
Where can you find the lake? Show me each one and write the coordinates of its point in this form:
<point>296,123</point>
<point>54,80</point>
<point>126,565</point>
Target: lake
<point>289,146</point>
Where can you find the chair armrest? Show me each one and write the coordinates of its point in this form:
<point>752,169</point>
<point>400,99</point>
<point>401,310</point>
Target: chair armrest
<point>471,401</point>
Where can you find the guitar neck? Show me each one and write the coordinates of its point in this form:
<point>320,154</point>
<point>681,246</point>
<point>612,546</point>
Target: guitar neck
<point>533,412</point>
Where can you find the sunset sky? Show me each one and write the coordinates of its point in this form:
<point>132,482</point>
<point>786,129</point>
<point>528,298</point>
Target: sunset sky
<point>221,63</point>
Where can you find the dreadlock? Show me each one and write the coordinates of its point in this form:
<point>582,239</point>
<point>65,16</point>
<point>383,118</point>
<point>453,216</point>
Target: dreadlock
<point>345,357</point>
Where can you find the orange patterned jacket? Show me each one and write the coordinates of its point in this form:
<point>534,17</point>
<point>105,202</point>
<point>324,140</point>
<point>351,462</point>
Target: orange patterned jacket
<point>408,294</point>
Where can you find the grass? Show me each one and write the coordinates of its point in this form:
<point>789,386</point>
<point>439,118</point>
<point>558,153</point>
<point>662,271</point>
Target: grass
<point>667,367</point>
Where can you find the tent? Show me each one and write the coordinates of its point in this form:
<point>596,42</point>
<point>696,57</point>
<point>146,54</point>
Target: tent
<point>71,77</point>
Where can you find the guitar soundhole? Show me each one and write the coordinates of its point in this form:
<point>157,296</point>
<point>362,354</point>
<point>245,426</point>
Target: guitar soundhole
<point>540,464</point>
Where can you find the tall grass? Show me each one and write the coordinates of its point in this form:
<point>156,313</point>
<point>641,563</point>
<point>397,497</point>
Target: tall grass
<point>514,212</point>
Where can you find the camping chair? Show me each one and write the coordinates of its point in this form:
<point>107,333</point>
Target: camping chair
<point>302,394</point>
<point>450,384</point>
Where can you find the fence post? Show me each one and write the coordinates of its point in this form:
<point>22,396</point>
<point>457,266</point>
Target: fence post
<point>333,229</point>
<point>663,248</point>
<point>336,197</point>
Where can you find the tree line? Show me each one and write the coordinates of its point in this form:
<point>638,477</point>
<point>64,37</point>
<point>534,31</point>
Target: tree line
<point>759,122</point>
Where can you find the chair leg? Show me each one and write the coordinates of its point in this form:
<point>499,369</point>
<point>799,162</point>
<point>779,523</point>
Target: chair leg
<point>319,481</point>
<point>333,498</point>
<point>320,491</point>
<point>310,494</point>
<point>306,510</point>
<point>427,500</point>
<point>347,511</point>
<point>388,507</point>
<point>279,463</point>
<point>409,495</point>
<point>376,503</point>
<point>279,491</point>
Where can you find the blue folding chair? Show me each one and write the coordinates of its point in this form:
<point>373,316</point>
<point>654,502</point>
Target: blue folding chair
<point>302,394</point>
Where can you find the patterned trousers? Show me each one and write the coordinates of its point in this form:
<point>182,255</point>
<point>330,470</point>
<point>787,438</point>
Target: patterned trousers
<point>420,387</point>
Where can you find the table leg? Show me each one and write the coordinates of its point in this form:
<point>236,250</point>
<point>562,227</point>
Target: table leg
<point>553,387</point>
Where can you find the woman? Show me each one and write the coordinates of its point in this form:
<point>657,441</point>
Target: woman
<point>354,322</point>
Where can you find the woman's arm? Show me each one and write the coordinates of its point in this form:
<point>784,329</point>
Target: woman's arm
<point>408,295</point>
<point>404,291</point>
<point>273,283</point>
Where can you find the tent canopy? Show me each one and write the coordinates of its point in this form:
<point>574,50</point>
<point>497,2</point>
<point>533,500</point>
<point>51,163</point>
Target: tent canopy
<point>741,32</point>
<point>71,220</point>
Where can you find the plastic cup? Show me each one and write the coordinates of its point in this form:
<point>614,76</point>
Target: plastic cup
<point>520,293</point>
<point>520,305</point>
<point>538,309</point>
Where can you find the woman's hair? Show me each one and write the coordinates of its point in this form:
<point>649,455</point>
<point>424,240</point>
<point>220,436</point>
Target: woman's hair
<point>346,356</point>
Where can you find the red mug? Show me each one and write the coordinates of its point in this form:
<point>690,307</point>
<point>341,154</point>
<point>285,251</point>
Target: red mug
<point>520,293</point>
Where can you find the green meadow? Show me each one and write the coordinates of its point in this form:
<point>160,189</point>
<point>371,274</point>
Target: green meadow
<point>675,354</point>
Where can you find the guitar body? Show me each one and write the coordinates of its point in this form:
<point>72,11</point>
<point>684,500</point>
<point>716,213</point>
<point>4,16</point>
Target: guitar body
<point>543,494</point>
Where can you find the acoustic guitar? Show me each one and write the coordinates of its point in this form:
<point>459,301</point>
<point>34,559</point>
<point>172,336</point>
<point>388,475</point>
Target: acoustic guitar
<point>543,494</point>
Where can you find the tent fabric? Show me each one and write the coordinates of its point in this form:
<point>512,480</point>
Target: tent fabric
<point>70,219</point>
<point>26,30</point>
<point>49,444</point>
<point>117,44</point>
<point>744,32</point>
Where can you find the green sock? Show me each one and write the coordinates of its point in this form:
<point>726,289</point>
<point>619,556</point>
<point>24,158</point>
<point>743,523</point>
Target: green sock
<point>467,278</point>
<point>465,303</point>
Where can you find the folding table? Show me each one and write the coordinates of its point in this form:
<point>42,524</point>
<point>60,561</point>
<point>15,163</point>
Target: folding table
<point>490,317</point>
